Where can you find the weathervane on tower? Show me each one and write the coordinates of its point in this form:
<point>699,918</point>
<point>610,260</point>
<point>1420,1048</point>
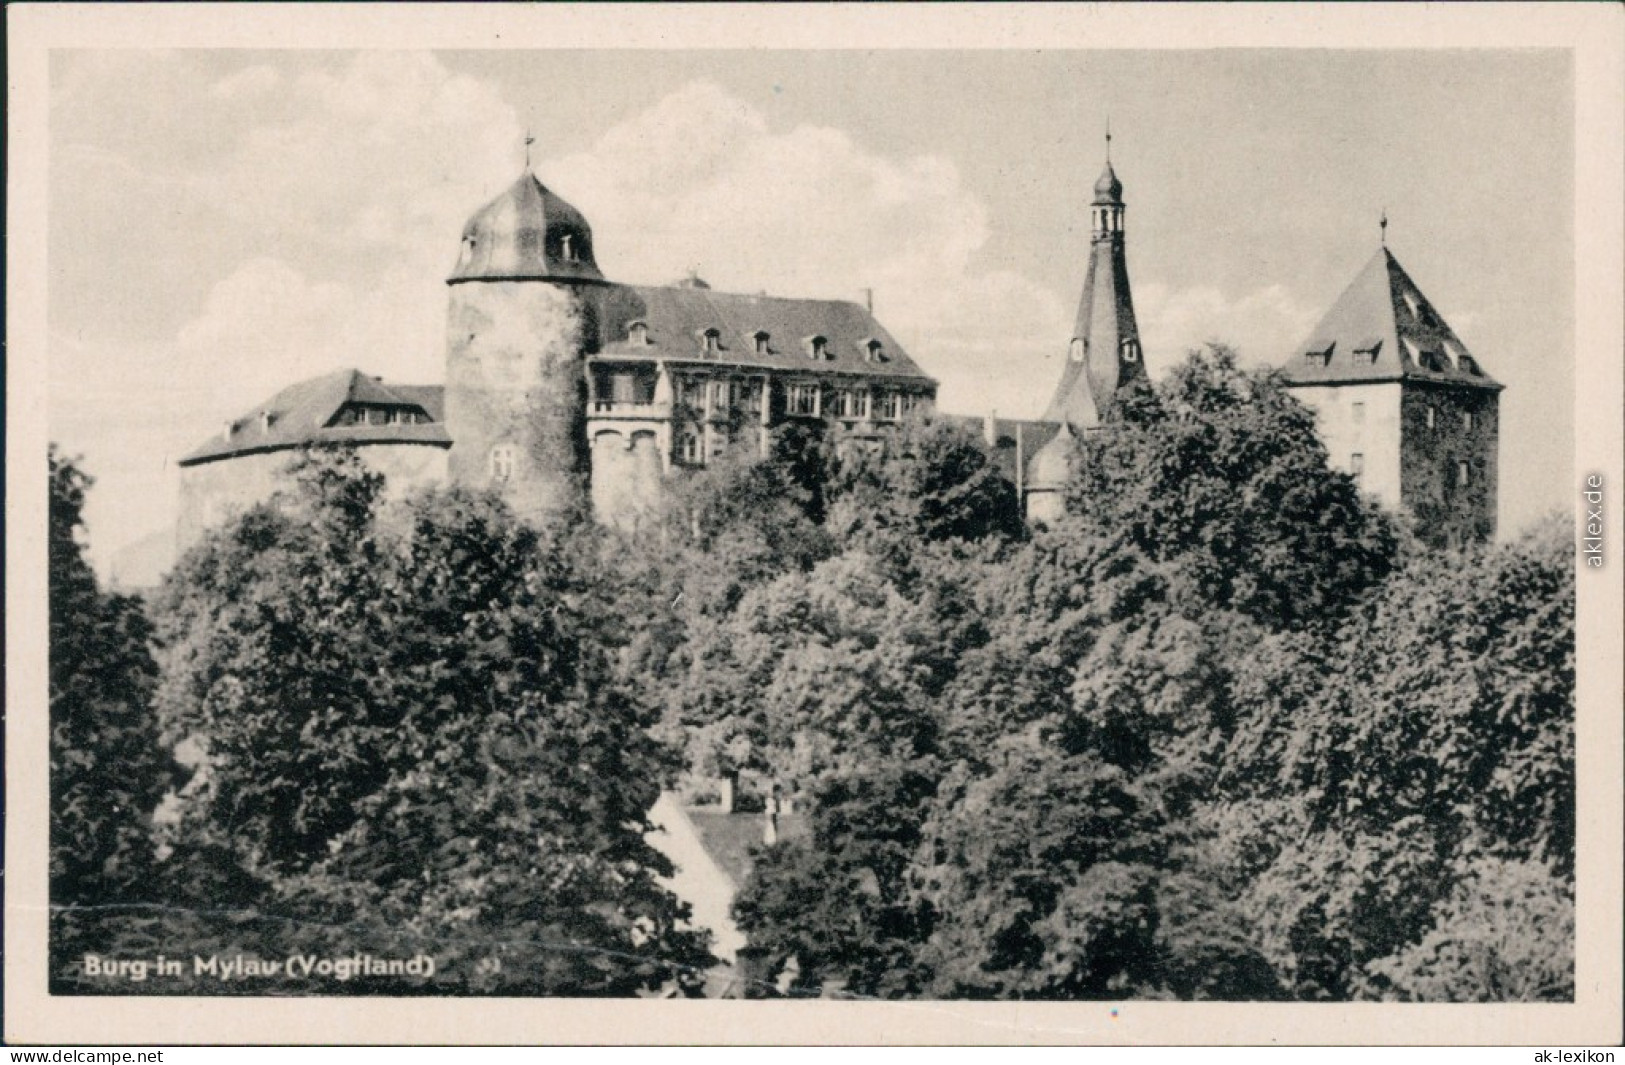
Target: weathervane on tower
<point>529,140</point>
<point>1382,224</point>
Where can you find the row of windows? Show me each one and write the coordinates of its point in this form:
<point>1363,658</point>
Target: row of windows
<point>807,400</point>
<point>357,414</point>
<point>1461,477</point>
<point>1469,419</point>
<point>816,347</point>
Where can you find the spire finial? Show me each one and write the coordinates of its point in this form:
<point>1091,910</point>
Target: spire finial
<point>1383,225</point>
<point>1108,138</point>
<point>529,140</point>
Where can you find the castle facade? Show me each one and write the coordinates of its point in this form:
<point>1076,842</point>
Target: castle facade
<point>565,390</point>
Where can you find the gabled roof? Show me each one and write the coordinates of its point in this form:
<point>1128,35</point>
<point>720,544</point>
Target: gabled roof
<point>676,319</point>
<point>302,414</point>
<point>1382,328</point>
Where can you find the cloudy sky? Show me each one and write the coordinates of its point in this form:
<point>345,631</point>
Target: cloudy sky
<point>223,223</point>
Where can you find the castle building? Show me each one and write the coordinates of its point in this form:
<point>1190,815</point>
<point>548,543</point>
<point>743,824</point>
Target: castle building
<point>565,390</point>
<point>568,392</point>
<point>1402,406</point>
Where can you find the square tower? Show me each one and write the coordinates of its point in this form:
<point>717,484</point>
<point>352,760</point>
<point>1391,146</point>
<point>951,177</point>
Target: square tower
<point>1402,406</point>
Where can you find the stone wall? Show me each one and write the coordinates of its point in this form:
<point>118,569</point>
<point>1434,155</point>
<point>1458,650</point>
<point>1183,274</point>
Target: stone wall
<point>516,393</point>
<point>214,492</point>
<point>627,468</point>
<point>1447,512</point>
<point>1364,421</point>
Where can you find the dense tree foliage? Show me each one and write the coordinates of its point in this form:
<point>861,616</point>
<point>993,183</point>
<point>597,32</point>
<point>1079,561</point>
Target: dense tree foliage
<point>1223,731</point>
<point>108,770</point>
<point>1210,736</point>
<point>413,737</point>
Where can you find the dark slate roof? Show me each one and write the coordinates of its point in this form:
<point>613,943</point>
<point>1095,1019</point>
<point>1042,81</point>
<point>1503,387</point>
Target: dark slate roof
<point>1383,329</point>
<point>1108,190</point>
<point>301,413</point>
<point>517,237</point>
<point>1105,319</point>
<point>676,318</point>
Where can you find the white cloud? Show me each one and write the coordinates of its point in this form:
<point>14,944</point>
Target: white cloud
<point>1262,325</point>
<point>700,181</point>
<point>379,158</point>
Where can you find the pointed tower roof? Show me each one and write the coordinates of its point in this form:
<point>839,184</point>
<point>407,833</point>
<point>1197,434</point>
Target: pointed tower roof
<point>526,234</point>
<point>1382,328</point>
<point>1108,190</point>
<point>1104,353</point>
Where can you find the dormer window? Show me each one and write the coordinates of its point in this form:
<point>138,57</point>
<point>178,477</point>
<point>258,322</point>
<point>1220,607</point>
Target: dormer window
<point>818,347</point>
<point>1077,349</point>
<point>1321,357</point>
<point>873,350</point>
<point>637,333</point>
<point>567,248</point>
<point>711,341</point>
<point>761,338</point>
<point>1130,350</point>
<point>1369,351</point>
<point>1413,304</point>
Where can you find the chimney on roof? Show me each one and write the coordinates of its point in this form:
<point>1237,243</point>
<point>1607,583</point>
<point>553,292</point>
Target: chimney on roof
<point>869,300</point>
<point>265,421</point>
<point>229,430</point>
<point>990,428</point>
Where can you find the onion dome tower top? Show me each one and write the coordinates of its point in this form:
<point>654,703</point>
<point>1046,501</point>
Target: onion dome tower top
<point>526,234</point>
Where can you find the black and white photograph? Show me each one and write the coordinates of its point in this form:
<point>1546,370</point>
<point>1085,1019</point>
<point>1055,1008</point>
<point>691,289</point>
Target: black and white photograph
<point>1090,525</point>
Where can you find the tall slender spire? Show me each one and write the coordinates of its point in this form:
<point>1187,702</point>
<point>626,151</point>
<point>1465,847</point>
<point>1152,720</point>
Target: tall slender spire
<point>529,140</point>
<point>1104,354</point>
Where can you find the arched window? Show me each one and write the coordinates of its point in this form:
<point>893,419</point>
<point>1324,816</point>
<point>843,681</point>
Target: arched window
<point>1077,349</point>
<point>1131,350</point>
<point>637,332</point>
<point>711,341</point>
<point>567,248</point>
<point>761,337</point>
<point>817,347</point>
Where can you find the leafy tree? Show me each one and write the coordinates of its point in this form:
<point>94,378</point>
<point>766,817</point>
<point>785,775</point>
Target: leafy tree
<point>414,732</point>
<point>1221,472</point>
<point>932,482</point>
<point>109,771</point>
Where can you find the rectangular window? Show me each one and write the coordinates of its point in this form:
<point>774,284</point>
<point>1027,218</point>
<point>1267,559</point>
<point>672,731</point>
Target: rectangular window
<point>722,397</point>
<point>850,403</point>
<point>1357,464</point>
<point>1357,410</point>
<point>501,462</point>
<point>1432,416</point>
<point>1464,474</point>
<point>1467,420</point>
<point>802,400</point>
<point>887,407</point>
<point>688,446</point>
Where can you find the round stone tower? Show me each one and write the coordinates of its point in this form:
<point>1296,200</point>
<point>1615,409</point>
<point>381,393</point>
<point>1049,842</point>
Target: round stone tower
<point>516,334</point>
